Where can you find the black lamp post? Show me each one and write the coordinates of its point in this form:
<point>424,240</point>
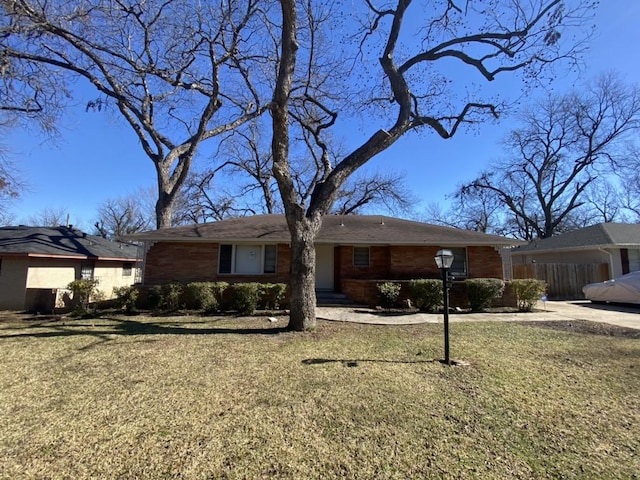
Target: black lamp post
<point>444,260</point>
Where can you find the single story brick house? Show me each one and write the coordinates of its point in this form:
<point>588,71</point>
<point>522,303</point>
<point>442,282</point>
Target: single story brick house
<point>37,264</point>
<point>353,252</point>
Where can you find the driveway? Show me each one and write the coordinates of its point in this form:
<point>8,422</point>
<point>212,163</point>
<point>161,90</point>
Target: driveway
<point>623,316</point>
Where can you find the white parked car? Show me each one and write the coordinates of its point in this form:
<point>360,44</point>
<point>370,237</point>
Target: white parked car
<point>624,289</point>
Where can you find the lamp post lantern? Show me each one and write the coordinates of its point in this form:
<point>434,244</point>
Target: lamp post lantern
<point>444,260</point>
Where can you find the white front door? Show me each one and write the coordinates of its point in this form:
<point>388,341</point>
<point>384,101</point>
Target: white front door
<point>324,267</point>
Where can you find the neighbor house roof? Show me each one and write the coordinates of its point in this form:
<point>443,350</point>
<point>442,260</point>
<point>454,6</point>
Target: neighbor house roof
<point>621,235</point>
<point>336,229</point>
<point>61,242</point>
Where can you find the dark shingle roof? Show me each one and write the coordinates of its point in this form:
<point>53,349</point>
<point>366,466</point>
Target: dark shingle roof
<point>61,241</point>
<point>347,229</point>
<point>596,236</point>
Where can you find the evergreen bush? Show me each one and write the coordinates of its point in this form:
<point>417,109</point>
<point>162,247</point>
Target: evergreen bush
<point>200,296</point>
<point>245,297</point>
<point>166,297</point>
<point>83,291</point>
<point>482,291</point>
<point>528,291</point>
<point>426,294</point>
<point>126,297</point>
<point>388,293</point>
<point>272,295</point>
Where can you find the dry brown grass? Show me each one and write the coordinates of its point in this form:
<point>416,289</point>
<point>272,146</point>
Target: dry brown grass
<point>207,397</point>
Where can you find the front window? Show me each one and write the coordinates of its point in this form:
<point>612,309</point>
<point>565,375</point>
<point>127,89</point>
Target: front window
<point>86,269</point>
<point>459,266</point>
<point>127,269</point>
<point>247,259</point>
<point>360,256</point>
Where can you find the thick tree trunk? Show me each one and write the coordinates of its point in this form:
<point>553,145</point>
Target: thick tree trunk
<point>303,275</point>
<point>164,210</point>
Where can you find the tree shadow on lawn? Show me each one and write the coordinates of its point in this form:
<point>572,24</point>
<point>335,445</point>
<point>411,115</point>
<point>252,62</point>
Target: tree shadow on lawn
<point>356,362</point>
<point>128,327</point>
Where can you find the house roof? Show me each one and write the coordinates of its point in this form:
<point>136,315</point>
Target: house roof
<point>336,229</point>
<point>61,242</point>
<point>596,236</point>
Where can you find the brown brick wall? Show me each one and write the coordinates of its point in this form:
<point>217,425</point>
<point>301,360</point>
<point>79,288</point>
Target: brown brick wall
<point>409,262</point>
<point>484,262</point>
<point>198,262</point>
<point>378,263</point>
<point>390,262</point>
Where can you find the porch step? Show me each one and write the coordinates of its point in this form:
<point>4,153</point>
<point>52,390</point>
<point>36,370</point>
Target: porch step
<point>332,299</point>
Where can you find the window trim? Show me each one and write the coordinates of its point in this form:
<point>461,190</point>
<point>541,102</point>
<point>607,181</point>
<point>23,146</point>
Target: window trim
<point>263,254</point>
<point>353,257</point>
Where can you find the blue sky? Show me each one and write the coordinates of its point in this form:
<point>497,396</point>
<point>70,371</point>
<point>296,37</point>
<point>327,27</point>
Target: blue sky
<point>96,157</point>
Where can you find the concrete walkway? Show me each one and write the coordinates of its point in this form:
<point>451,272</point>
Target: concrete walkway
<point>623,316</point>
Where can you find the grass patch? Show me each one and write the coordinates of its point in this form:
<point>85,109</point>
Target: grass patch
<point>217,397</point>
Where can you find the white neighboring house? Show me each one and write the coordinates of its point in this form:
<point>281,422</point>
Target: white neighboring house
<point>37,264</point>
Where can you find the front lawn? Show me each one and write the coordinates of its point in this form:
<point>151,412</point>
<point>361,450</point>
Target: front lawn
<point>215,397</point>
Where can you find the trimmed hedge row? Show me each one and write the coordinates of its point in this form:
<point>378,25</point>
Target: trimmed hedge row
<point>427,294</point>
<point>207,297</point>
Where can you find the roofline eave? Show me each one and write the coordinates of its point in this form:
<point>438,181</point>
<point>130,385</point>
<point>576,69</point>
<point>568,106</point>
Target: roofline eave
<point>571,249</point>
<point>255,240</point>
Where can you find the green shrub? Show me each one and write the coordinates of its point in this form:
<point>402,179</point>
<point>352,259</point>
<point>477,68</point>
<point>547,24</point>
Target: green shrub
<point>165,297</point>
<point>528,291</point>
<point>426,294</point>
<point>83,291</point>
<point>172,294</point>
<point>482,291</point>
<point>200,296</point>
<point>126,297</point>
<point>388,293</point>
<point>272,295</point>
<point>244,297</point>
<point>218,289</point>
<point>155,297</point>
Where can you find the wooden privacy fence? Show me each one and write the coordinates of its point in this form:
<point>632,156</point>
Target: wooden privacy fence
<point>564,280</point>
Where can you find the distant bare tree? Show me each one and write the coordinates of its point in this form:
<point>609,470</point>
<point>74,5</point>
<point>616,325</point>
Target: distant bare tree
<point>376,191</point>
<point>202,201</point>
<point>49,217</point>
<point>604,203</point>
<point>628,170</point>
<point>247,168</point>
<point>122,216</point>
<point>10,187</point>
<point>564,145</point>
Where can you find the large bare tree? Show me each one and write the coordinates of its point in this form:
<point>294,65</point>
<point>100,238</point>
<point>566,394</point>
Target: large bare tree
<point>561,156</point>
<point>408,89</point>
<point>176,71</point>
